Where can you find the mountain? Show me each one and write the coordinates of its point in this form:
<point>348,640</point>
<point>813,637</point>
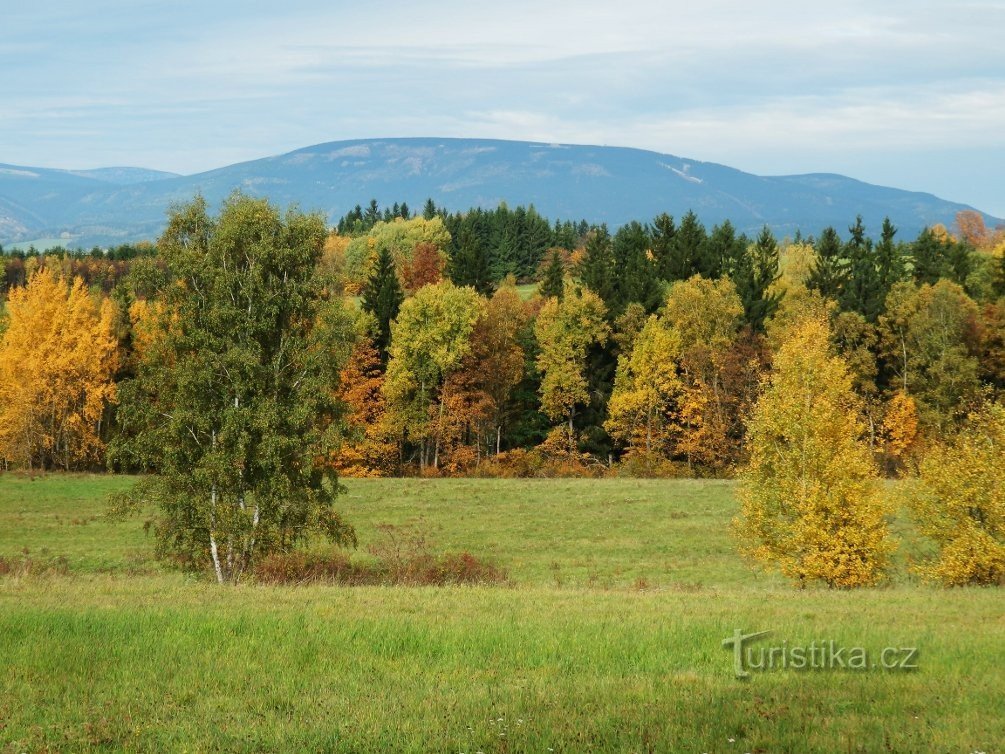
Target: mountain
<point>563,181</point>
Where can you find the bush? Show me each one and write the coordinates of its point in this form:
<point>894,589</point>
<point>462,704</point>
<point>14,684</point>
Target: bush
<point>400,557</point>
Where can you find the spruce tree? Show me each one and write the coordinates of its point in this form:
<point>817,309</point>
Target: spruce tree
<point>889,259</point>
<point>720,252</point>
<point>429,210</point>
<point>469,265</point>
<point>596,271</point>
<point>756,271</point>
<point>552,283</point>
<point>382,297</point>
<point>830,270</point>
<point>928,254</point>
<point>662,232</point>
<point>635,272</point>
<point>687,243</point>
<point>862,292</point>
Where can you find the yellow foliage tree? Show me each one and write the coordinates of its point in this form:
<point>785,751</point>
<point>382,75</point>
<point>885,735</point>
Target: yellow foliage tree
<point>646,390</point>
<point>900,425</point>
<point>809,498</point>
<point>58,356</point>
<point>960,502</point>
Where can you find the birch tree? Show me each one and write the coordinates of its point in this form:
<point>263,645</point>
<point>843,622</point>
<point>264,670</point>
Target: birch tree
<point>234,402</point>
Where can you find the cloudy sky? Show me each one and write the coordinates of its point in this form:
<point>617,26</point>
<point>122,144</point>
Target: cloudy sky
<point>908,94</point>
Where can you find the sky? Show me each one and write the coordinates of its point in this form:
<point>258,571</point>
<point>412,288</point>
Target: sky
<point>905,94</point>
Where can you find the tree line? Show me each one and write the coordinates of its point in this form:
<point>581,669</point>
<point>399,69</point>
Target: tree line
<point>259,355</point>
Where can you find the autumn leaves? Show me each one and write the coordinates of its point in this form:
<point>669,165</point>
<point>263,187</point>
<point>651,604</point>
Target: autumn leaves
<point>58,359</point>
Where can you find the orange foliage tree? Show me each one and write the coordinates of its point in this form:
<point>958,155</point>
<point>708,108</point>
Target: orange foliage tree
<point>58,357</point>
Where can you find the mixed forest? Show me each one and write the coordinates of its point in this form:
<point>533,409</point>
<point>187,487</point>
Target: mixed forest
<point>252,358</point>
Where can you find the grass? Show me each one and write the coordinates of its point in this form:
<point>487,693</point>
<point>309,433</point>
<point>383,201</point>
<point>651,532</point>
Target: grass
<point>574,656</point>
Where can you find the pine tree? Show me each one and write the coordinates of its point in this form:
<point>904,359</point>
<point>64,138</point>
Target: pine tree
<point>553,281</point>
<point>889,259</point>
<point>596,270</point>
<point>687,243</point>
<point>469,266</point>
<point>863,292</point>
<point>830,270</point>
<point>662,232</point>
<point>382,297</point>
<point>429,210</point>
<point>635,272</point>
<point>756,272</point>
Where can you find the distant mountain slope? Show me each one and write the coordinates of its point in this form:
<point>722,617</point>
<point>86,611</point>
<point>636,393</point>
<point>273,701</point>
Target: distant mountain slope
<point>601,184</point>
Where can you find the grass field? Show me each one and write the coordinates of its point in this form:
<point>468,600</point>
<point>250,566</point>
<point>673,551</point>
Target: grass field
<point>609,637</point>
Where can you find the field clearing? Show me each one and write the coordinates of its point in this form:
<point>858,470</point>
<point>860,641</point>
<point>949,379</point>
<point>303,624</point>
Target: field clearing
<point>608,639</point>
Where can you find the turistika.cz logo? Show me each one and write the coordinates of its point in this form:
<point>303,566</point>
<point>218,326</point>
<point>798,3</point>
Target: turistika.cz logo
<point>751,656</point>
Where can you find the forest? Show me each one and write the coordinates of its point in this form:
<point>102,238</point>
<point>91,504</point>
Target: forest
<point>261,354</point>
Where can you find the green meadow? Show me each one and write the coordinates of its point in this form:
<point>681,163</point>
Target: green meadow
<point>607,635</point>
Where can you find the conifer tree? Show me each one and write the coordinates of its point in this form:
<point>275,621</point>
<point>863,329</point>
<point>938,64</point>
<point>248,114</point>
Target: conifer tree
<point>830,270</point>
<point>889,259</point>
<point>756,271</point>
<point>553,281</point>
<point>862,291</point>
<point>662,232</point>
<point>382,297</point>
<point>635,271</point>
<point>469,266</point>
<point>687,243</point>
<point>597,269</point>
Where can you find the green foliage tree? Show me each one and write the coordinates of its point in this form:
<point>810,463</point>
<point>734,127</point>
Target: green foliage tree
<point>233,400</point>
<point>930,340</point>
<point>597,268</point>
<point>862,291</point>
<point>635,271</point>
<point>662,234</point>
<point>382,297</point>
<point>565,331</point>
<point>429,341</point>
<point>469,266</point>
<point>754,276</point>
<point>553,281</point>
<point>829,272</point>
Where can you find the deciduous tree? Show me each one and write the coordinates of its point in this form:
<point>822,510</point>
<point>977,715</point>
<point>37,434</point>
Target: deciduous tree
<point>234,404</point>
<point>810,502</point>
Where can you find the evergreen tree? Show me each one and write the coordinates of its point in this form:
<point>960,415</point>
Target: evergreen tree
<point>721,252</point>
<point>372,215</point>
<point>929,258</point>
<point>889,259</point>
<point>756,271</point>
<point>469,265</point>
<point>382,297</point>
<point>429,210</point>
<point>552,283</point>
<point>596,271</point>
<point>635,272</point>
<point>863,292</point>
<point>830,270</point>
<point>687,243</point>
<point>663,231</point>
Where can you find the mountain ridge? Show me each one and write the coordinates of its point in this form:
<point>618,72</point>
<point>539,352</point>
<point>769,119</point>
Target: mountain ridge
<point>105,206</point>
